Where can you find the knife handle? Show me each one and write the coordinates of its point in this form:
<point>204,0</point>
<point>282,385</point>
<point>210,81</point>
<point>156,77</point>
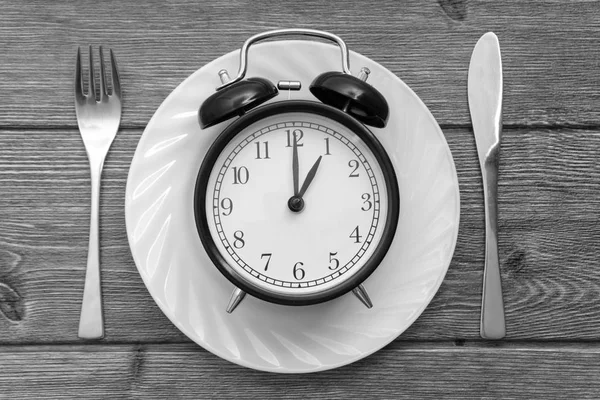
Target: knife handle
<point>492,306</point>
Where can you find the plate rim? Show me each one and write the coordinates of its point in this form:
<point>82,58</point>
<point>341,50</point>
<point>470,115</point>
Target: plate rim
<point>350,359</point>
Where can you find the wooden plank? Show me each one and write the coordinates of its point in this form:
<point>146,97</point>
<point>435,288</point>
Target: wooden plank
<point>548,50</point>
<point>549,235</point>
<point>400,371</point>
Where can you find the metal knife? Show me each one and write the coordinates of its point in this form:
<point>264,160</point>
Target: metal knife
<point>485,104</point>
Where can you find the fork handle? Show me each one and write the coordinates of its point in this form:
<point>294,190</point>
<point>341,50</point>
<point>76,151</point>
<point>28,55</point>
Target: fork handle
<point>492,308</point>
<point>91,323</point>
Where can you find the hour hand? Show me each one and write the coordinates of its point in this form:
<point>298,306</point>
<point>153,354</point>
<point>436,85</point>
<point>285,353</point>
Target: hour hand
<point>309,177</point>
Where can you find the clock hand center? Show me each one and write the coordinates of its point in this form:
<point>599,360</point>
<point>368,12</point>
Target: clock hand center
<point>296,204</point>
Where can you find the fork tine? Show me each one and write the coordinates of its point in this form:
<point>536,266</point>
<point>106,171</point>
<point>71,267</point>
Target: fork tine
<point>92,87</point>
<point>103,88</point>
<point>114,74</point>
<point>78,77</point>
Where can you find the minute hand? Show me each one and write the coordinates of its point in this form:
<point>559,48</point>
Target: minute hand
<point>295,167</point>
<point>309,177</point>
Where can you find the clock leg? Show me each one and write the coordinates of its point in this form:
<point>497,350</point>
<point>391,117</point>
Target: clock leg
<point>236,298</point>
<point>362,295</point>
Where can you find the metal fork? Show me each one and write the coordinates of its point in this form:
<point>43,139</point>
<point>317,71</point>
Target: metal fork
<point>98,121</point>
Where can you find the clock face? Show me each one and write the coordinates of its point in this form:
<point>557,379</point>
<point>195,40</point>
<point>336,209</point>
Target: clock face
<point>296,204</point>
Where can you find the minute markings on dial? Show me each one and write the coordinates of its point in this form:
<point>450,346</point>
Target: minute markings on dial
<point>342,268</point>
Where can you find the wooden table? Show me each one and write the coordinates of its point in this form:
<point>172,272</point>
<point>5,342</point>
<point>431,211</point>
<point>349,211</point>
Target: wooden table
<point>549,199</point>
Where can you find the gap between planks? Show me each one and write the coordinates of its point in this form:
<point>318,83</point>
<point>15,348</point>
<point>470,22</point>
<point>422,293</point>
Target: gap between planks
<point>514,127</point>
<point>587,346</point>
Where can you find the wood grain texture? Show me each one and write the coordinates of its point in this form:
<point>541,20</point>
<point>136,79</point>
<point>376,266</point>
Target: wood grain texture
<point>549,235</point>
<point>549,51</point>
<point>400,371</point>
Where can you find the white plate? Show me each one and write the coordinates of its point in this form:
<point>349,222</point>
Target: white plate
<point>192,292</point>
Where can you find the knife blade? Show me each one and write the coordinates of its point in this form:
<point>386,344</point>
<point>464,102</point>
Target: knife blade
<point>485,105</point>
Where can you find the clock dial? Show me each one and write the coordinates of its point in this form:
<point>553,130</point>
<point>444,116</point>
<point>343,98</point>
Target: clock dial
<point>296,205</point>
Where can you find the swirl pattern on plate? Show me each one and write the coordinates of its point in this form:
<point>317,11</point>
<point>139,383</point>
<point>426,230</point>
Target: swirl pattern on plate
<point>192,292</point>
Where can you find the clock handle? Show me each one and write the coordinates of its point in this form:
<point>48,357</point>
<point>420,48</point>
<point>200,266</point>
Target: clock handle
<point>286,32</point>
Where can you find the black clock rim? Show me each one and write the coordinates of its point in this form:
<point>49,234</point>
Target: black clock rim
<point>282,107</point>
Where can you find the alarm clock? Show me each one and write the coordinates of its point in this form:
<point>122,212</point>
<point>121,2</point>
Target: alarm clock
<point>296,201</point>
